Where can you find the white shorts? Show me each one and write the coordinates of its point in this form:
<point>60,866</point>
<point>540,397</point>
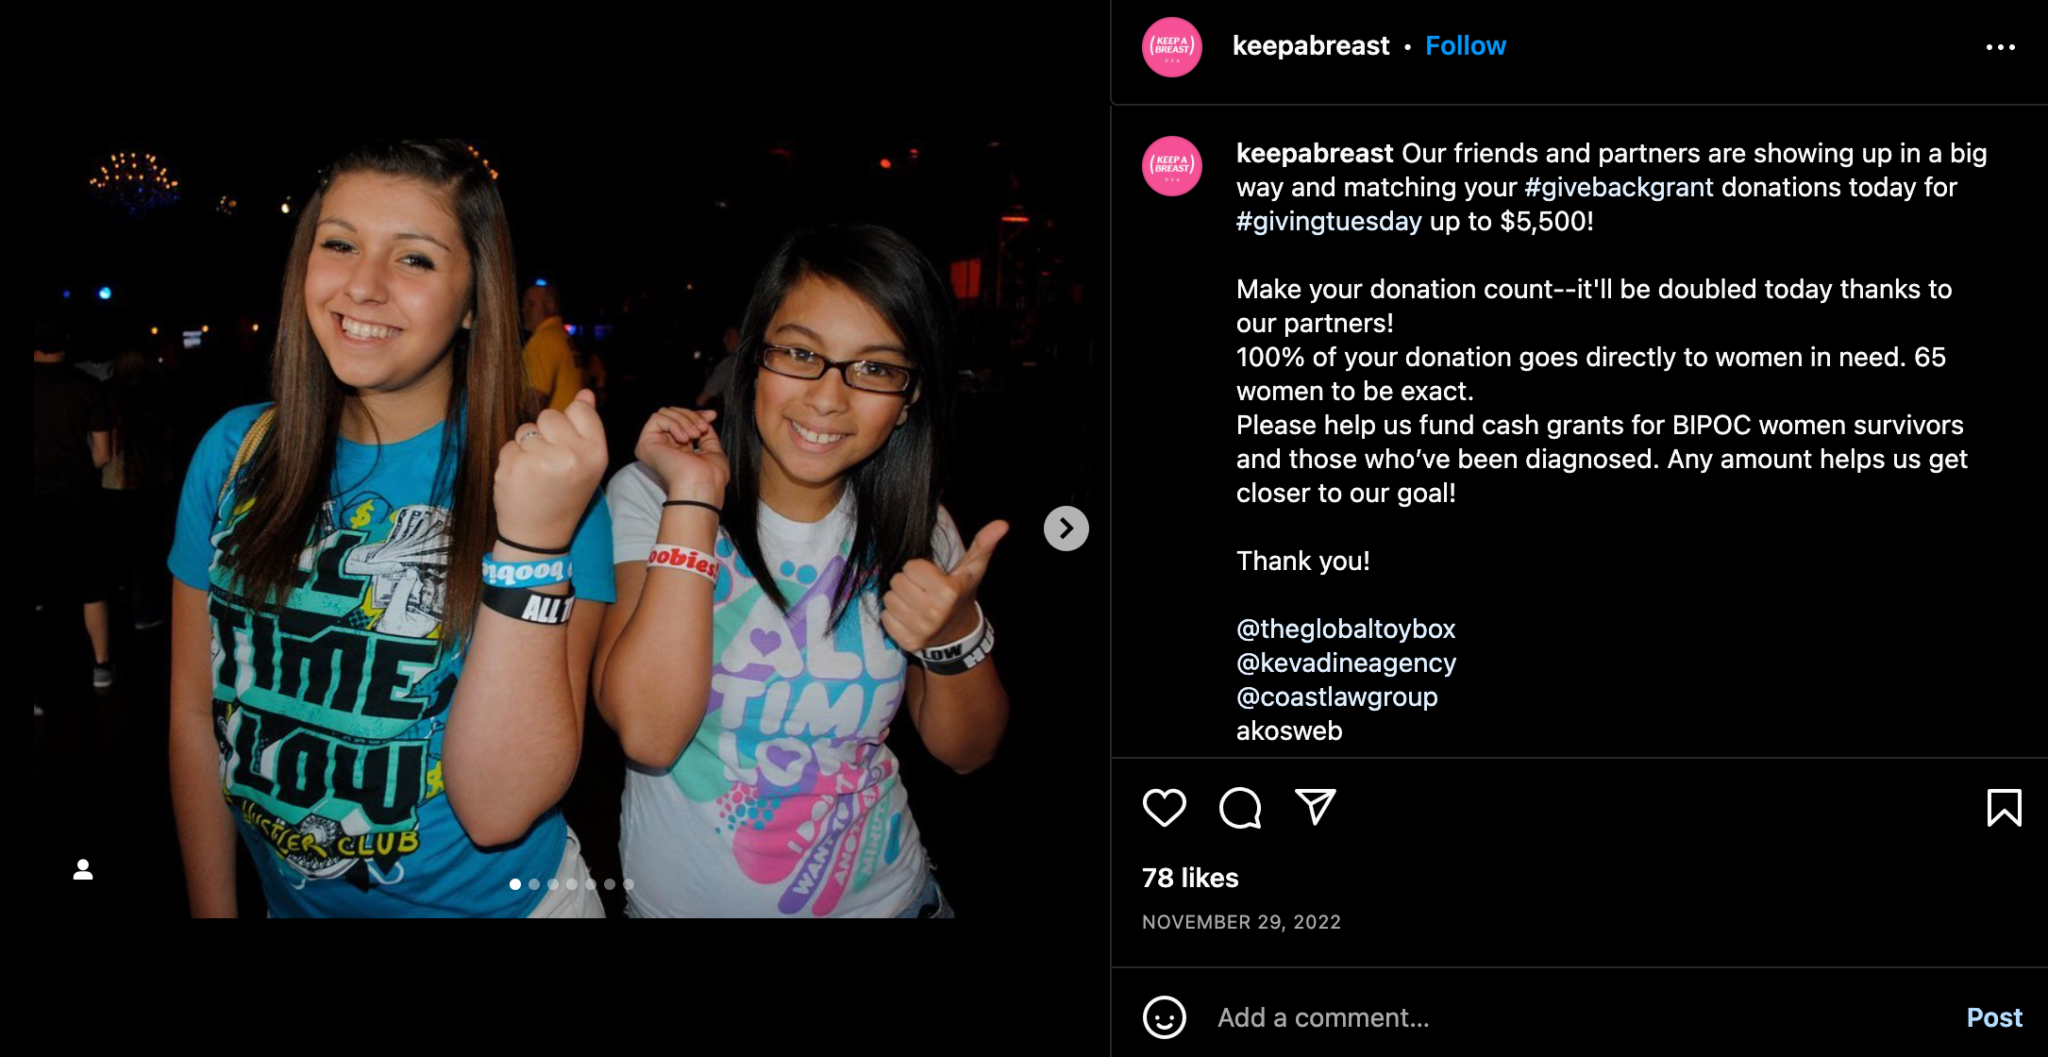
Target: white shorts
<point>572,894</point>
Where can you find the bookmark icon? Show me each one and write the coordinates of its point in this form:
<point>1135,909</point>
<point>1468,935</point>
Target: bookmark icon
<point>2001,803</point>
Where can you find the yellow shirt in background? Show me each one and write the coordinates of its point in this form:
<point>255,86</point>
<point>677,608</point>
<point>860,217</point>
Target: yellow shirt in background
<point>551,365</point>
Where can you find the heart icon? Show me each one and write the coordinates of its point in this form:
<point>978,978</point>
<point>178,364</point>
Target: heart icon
<point>1163,795</point>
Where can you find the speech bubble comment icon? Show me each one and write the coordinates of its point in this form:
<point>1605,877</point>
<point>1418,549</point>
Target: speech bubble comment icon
<point>1245,803</point>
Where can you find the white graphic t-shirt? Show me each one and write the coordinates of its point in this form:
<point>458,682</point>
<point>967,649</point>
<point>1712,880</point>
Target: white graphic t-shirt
<point>785,803</point>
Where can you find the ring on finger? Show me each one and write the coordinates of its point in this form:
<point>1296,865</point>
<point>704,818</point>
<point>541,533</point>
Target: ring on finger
<point>528,435</point>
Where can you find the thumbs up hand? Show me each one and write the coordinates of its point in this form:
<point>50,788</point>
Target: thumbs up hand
<point>927,606</point>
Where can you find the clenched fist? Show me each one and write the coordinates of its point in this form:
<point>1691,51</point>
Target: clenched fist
<point>544,482</point>
<point>681,446</point>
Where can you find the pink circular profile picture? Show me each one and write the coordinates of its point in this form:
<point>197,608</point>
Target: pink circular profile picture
<point>1172,166</point>
<point>1172,47</point>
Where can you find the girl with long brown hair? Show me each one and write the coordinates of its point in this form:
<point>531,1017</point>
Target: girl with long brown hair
<point>390,580</point>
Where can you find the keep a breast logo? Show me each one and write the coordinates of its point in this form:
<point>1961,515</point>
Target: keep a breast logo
<point>1172,47</point>
<point>1172,166</point>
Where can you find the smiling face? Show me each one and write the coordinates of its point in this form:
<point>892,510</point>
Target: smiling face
<point>388,284</point>
<point>815,432</point>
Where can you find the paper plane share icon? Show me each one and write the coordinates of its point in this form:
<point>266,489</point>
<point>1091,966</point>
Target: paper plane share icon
<point>1317,800</point>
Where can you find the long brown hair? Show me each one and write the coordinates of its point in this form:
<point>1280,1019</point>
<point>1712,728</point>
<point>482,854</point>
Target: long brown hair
<point>896,490</point>
<point>289,476</point>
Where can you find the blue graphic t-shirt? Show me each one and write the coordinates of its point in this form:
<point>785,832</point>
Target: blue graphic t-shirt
<point>329,715</point>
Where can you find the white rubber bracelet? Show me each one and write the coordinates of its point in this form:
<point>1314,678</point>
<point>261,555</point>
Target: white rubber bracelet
<point>975,656</point>
<point>688,559</point>
<point>527,574</point>
<point>953,651</point>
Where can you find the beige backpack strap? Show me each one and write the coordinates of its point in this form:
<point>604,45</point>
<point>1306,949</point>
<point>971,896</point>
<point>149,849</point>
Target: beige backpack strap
<point>250,441</point>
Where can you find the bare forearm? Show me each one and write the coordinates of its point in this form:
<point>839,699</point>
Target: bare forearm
<point>515,728</point>
<point>512,741</point>
<point>963,716</point>
<point>206,828</point>
<point>657,678</point>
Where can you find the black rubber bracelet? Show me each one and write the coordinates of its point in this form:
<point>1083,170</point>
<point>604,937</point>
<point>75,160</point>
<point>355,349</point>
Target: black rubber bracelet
<point>522,603</point>
<point>973,657</point>
<point>693,502</point>
<point>536,550</point>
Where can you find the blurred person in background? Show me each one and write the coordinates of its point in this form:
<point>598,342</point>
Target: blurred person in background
<point>138,482</point>
<point>74,439</point>
<point>712,396</point>
<point>552,369</point>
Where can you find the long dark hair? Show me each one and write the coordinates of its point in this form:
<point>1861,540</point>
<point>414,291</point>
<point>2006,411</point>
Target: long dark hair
<point>289,477</point>
<point>895,490</point>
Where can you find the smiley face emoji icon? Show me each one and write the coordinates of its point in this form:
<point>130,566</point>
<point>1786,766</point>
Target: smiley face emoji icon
<point>1165,1017</point>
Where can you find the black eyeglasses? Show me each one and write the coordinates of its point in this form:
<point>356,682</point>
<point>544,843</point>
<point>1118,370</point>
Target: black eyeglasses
<point>866,375</point>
